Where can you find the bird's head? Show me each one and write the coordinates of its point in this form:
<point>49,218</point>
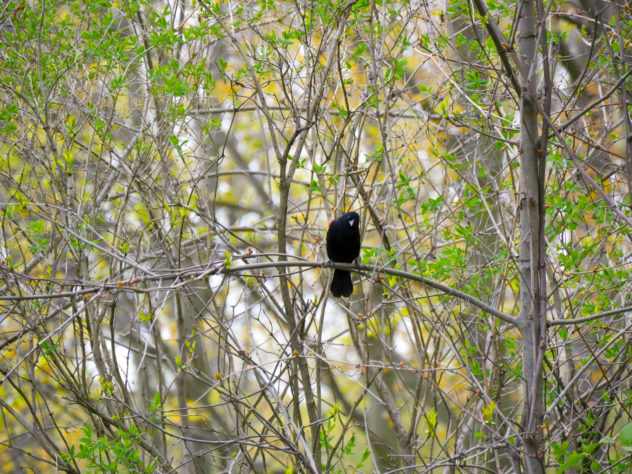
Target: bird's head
<point>352,219</point>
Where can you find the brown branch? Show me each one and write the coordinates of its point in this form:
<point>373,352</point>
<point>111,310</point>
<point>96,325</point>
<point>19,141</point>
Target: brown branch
<point>188,275</point>
<point>592,317</point>
<point>501,43</point>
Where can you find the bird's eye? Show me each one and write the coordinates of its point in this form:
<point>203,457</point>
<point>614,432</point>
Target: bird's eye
<point>351,222</point>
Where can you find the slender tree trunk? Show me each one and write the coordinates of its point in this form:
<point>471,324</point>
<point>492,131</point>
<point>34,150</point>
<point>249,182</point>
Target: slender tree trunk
<point>532,315</point>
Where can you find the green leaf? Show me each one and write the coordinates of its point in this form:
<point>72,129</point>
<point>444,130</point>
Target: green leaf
<point>431,419</point>
<point>625,435</point>
<point>573,460</point>
<point>488,412</point>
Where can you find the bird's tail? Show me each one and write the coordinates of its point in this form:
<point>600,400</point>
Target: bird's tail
<point>341,284</point>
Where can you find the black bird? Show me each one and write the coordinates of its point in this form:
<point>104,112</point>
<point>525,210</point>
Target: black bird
<point>343,245</point>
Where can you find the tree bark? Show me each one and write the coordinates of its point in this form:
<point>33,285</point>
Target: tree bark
<point>532,316</point>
